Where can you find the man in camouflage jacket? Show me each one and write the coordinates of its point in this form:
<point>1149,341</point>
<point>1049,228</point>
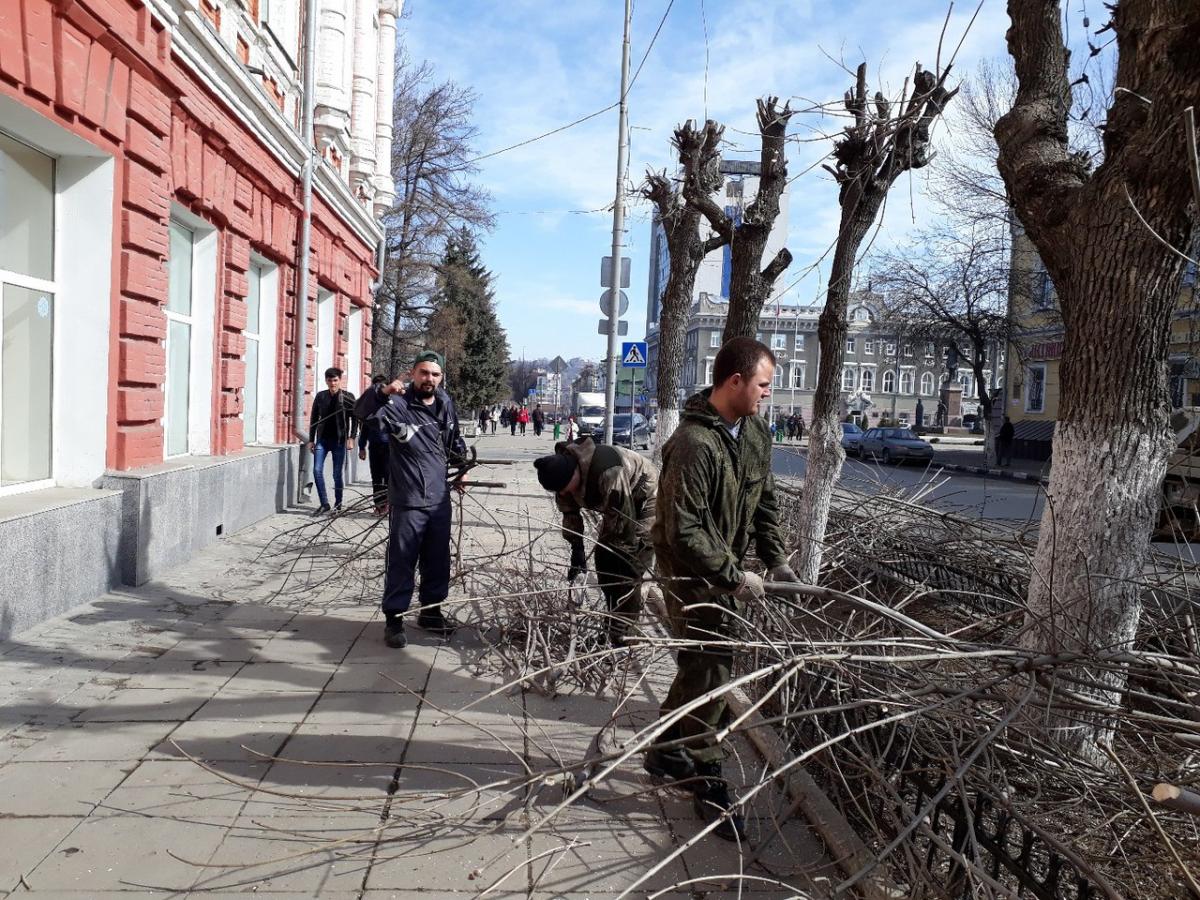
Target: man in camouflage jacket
<point>622,486</point>
<point>716,497</point>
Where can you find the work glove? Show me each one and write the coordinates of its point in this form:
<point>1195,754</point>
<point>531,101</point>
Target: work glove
<point>750,589</point>
<point>783,574</point>
<point>578,560</point>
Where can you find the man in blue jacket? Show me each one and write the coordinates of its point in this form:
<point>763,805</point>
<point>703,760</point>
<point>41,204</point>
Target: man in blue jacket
<point>423,442</point>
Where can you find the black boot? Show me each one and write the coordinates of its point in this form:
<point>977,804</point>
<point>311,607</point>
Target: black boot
<point>712,801</point>
<point>673,764</point>
<point>393,633</point>
<point>432,620</point>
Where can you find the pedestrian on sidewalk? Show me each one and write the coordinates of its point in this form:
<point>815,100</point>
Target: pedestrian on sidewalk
<point>799,428</point>
<point>373,446</point>
<point>523,419</point>
<point>572,428</point>
<point>539,421</point>
<point>483,420</point>
<point>1004,443</point>
<point>495,418</point>
<point>716,492</point>
<point>512,420</point>
<point>331,432</point>
<point>622,486</point>
<point>424,442</point>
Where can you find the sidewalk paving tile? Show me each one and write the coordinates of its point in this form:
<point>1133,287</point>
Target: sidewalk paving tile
<point>27,842</point>
<point>57,788</point>
<point>267,677</point>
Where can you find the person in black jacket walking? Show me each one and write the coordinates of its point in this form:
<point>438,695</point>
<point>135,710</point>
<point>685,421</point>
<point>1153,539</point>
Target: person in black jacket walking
<point>373,445</point>
<point>1004,443</point>
<point>331,432</point>
<point>421,423</point>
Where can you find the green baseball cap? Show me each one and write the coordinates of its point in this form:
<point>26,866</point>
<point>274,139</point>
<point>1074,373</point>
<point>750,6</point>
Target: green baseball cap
<point>430,356</point>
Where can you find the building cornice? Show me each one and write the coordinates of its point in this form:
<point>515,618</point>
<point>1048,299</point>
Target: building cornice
<point>205,54</point>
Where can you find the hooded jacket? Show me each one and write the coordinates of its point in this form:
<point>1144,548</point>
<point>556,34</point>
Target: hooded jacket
<point>622,486</point>
<point>423,441</point>
<point>716,494</point>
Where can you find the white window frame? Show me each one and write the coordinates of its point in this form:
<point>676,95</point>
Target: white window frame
<point>849,377</point>
<point>799,341</point>
<point>708,371</point>
<point>851,344</point>
<point>202,321</point>
<point>354,356</point>
<point>869,348</point>
<point>927,385</point>
<point>1029,370</point>
<point>714,340</point>
<point>267,338</point>
<point>888,375</point>
<point>908,350</point>
<point>866,380</point>
<point>777,378</point>
<point>779,340</point>
<point>326,337</point>
<point>910,378</point>
<point>798,376</point>
<point>891,349</point>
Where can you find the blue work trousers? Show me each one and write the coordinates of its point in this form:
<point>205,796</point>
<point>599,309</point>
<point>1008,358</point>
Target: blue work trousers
<point>337,452</point>
<point>418,537</point>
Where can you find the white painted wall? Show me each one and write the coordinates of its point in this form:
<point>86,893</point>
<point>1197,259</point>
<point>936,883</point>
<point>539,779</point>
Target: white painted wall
<point>354,362</point>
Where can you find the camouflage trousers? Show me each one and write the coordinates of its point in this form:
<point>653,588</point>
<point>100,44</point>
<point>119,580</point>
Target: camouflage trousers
<point>702,669</point>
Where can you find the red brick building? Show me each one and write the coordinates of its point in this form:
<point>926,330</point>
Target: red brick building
<point>149,214</point>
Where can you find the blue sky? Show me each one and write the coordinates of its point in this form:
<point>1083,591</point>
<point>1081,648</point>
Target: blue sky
<point>538,64</point>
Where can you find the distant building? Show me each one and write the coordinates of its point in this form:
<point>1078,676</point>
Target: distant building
<point>1031,382</point>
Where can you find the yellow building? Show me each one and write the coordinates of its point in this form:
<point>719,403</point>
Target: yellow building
<point>1031,379</point>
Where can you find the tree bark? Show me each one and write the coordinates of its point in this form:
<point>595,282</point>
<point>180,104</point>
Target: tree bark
<point>750,283</point>
<point>825,453</point>
<point>679,214</point>
<point>1118,286</point>
<point>870,155</point>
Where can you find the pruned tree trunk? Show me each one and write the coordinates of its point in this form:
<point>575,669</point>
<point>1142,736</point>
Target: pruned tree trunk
<point>870,155</point>
<point>1102,237</point>
<point>750,283</point>
<point>699,160</point>
<point>825,453</point>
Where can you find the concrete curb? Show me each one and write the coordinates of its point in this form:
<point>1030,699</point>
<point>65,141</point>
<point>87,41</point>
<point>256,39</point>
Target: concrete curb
<point>984,472</point>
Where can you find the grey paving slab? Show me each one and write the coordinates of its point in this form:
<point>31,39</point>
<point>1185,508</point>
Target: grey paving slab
<point>27,842</point>
<point>356,742</point>
<point>145,705</point>
<point>268,677</point>
<point>173,672</point>
<point>119,852</point>
<point>224,648</point>
<point>225,740</point>
<point>57,788</point>
<point>163,791</point>
<point>261,707</point>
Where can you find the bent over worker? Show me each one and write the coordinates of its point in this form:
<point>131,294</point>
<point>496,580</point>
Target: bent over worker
<point>622,486</point>
<point>717,494</point>
<point>423,443</point>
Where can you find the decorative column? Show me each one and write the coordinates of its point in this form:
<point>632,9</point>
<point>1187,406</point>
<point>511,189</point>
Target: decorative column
<point>385,88</point>
<point>363,108</point>
<point>332,113</point>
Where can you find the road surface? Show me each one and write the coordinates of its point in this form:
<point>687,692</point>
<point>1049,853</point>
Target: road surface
<point>999,499</point>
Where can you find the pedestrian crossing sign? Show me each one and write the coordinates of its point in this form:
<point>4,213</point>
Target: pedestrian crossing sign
<point>633,354</point>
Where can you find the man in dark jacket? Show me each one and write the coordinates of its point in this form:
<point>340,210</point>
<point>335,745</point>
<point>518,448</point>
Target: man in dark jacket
<point>423,442</point>
<point>331,431</point>
<point>539,421</point>
<point>1004,443</point>
<point>373,445</point>
<point>716,493</point>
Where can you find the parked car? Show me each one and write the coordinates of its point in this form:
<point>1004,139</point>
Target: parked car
<point>894,445</point>
<point>851,436</point>
<point>636,436</point>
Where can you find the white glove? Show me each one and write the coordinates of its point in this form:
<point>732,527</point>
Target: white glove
<point>783,574</point>
<point>751,588</point>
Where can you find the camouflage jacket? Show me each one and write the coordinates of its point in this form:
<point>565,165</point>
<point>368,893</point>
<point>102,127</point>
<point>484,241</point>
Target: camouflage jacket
<point>716,493</point>
<point>617,483</point>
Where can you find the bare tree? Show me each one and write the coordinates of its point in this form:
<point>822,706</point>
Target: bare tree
<point>750,283</point>
<point>1108,238</point>
<point>950,286</point>
<point>699,165</point>
<point>431,165</point>
<point>870,155</point>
